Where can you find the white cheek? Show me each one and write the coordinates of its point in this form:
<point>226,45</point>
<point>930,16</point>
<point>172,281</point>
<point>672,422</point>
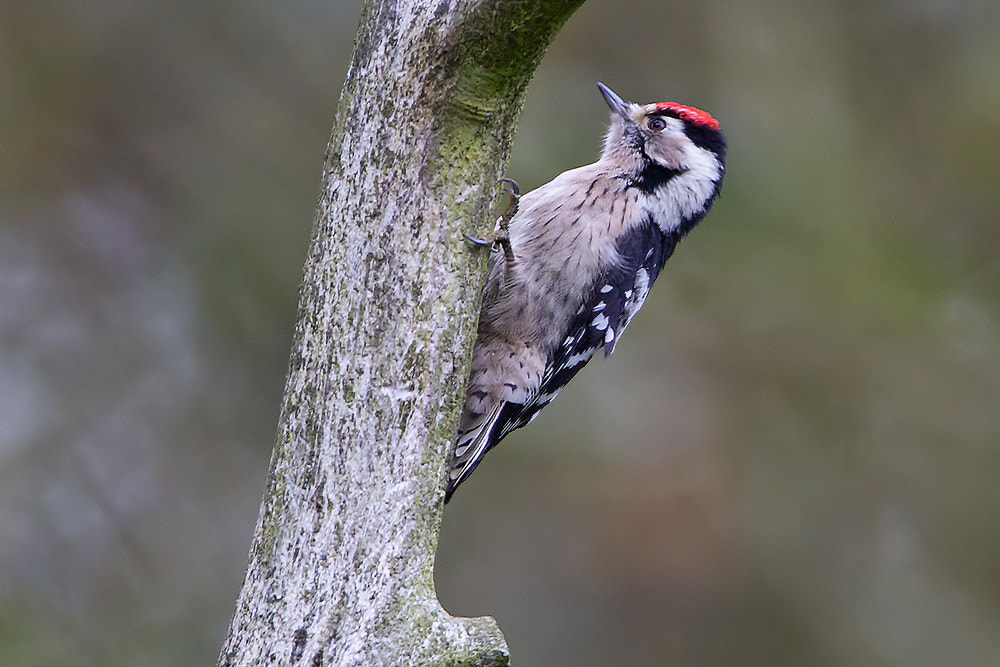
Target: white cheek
<point>685,195</point>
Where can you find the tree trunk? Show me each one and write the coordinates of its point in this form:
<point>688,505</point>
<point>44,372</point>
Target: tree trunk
<point>341,566</point>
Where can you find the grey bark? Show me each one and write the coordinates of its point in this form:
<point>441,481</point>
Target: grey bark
<point>341,566</point>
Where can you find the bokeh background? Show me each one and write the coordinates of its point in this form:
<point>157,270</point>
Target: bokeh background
<point>793,458</point>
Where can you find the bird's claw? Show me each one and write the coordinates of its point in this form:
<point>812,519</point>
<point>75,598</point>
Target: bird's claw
<point>514,190</point>
<point>489,240</point>
<point>501,236</point>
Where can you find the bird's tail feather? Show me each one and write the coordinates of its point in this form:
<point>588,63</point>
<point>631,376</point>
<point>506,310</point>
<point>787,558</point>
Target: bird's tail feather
<point>472,444</point>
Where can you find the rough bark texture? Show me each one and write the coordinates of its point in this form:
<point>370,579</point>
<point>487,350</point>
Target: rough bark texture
<point>341,567</point>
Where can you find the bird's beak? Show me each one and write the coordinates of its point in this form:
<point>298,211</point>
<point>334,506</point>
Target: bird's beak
<point>617,104</point>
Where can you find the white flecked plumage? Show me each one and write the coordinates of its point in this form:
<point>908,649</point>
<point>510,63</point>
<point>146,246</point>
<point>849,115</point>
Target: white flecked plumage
<point>585,247</point>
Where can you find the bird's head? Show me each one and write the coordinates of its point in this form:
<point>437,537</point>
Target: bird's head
<point>653,142</point>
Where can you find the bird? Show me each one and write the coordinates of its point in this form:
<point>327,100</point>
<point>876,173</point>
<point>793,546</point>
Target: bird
<point>579,255</point>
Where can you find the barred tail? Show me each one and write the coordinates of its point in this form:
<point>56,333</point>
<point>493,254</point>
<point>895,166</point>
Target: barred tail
<point>475,437</point>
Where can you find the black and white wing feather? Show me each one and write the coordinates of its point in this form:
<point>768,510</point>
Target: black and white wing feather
<point>610,305</point>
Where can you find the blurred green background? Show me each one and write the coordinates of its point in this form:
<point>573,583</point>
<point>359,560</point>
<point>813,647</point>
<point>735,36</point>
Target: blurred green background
<point>791,460</point>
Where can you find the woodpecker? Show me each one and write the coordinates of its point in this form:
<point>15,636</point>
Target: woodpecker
<point>579,256</point>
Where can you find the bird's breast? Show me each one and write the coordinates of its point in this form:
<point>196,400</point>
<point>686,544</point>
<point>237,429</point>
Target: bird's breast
<point>563,237</point>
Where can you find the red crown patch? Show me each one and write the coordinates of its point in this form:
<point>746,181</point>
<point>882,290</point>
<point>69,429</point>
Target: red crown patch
<point>690,114</point>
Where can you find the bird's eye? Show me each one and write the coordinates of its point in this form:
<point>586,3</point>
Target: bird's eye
<point>657,124</point>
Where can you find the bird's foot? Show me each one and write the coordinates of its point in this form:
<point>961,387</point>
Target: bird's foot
<point>501,235</point>
<point>514,190</point>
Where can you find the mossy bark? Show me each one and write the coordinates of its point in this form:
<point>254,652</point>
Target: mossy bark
<point>341,567</point>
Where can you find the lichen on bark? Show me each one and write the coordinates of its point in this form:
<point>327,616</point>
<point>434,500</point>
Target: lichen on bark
<point>341,568</point>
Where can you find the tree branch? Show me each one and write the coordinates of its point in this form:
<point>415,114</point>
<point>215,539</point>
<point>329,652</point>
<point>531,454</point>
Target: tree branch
<point>341,566</point>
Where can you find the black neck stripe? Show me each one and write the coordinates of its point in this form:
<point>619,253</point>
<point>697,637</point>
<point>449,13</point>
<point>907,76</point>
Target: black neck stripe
<point>653,175</point>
